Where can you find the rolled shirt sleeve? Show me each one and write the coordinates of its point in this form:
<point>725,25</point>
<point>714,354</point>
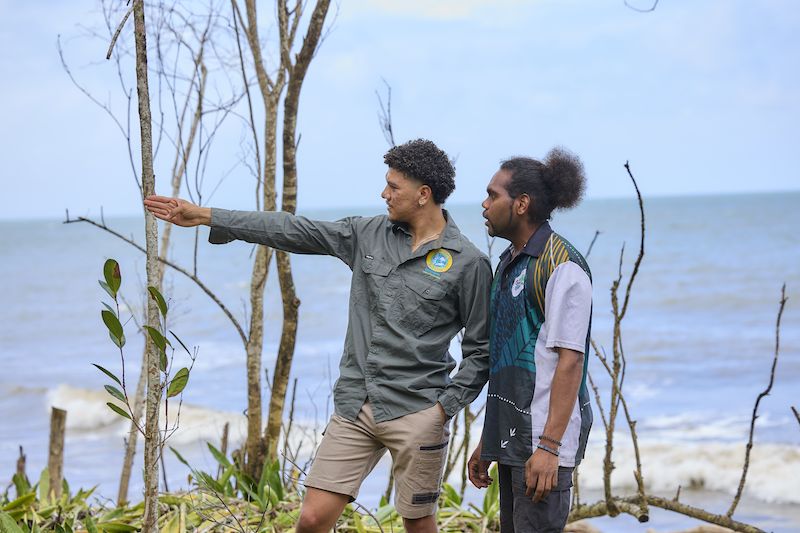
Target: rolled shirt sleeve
<point>473,372</point>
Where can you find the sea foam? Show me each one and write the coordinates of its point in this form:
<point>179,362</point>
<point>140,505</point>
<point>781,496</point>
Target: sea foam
<point>87,412</point>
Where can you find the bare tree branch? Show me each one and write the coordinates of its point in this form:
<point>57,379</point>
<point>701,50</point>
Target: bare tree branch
<point>641,243</point>
<point>385,114</point>
<point>116,33</point>
<point>766,391</point>
<point>591,244</point>
<point>173,266</point>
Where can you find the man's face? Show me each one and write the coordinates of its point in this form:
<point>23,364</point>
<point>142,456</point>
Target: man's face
<point>498,207</point>
<point>402,195</point>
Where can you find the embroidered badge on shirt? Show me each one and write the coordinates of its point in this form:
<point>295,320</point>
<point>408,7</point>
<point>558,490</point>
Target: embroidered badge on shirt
<point>438,261</point>
<point>519,284</point>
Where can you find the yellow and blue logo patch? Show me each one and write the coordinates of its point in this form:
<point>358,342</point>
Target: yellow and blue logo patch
<point>437,262</point>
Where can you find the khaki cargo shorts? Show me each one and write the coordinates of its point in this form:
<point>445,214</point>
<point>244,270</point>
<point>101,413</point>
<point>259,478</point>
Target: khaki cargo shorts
<point>418,445</point>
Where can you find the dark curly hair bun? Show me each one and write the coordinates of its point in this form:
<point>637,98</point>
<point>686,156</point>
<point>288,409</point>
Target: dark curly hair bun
<point>425,162</point>
<point>564,178</point>
<point>556,183</point>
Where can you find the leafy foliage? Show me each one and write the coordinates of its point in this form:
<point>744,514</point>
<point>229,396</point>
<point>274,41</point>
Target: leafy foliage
<point>111,283</point>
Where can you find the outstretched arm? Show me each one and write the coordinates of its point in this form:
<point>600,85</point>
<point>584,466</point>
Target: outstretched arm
<point>276,229</point>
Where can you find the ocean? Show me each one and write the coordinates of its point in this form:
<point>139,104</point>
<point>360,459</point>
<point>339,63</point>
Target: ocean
<point>699,341</point>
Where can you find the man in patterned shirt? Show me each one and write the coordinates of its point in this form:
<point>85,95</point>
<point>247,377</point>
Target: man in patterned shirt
<point>537,409</point>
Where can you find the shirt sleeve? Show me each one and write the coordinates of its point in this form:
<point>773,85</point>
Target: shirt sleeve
<point>286,232</point>
<point>473,309</point>
<point>568,307</point>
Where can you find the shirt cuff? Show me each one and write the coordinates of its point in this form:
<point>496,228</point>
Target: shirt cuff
<point>556,343</point>
<point>450,404</point>
<point>219,234</point>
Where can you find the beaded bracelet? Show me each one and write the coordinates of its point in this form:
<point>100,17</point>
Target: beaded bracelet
<point>548,449</point>
<point>550,439</point>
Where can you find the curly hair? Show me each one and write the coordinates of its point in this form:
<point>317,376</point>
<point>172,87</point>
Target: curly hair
<point>557,183</point>
<point>425,162</point>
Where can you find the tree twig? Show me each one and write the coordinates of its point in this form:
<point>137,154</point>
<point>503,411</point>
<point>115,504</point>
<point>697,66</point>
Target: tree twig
<point>764,393</point>
<point>119,30</point>
<point>591,244</point>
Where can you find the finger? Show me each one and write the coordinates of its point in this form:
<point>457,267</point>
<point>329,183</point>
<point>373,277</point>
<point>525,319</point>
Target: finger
<point>539,493</point>
<point>530,482</point>
<point>157,198</point>
<point>160,215</point>
<point>548,485</point>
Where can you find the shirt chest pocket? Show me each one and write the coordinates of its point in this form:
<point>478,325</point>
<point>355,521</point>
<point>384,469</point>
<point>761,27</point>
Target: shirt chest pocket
<point>375,274</point>
<point>418,304</point>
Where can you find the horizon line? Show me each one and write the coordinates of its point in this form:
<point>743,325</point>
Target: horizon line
<point>48,218</point>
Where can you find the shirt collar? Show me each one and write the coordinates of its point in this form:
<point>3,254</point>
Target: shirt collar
<point>450,237</point>
<point>535,244</point>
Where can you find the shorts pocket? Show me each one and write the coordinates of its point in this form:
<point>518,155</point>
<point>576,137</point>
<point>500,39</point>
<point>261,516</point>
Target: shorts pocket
<point>429,466</point>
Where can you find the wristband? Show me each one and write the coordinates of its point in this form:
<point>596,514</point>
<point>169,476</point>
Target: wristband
<point>548,449</point>
<point>550,439</point>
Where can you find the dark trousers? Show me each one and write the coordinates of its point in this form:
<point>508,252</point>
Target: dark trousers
<point>518,513</point>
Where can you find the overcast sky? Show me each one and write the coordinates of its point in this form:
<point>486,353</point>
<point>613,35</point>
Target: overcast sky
<point>701,97</point>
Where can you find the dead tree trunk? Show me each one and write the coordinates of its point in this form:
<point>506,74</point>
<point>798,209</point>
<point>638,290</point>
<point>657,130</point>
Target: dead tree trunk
<point>152,439</point>
<point>296,76</point>
<point>271,92</point>
<point>55,461</point>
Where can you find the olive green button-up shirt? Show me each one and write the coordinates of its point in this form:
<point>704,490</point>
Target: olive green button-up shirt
<point>405,307</point>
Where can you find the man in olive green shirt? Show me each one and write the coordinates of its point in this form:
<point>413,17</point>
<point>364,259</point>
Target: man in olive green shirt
<point>417,281</point>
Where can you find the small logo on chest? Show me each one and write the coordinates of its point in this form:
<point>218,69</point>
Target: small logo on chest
<point>437,262</point>
<point>519,283</point>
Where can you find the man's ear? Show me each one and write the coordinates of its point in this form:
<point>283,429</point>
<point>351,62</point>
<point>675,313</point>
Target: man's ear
<point>523,203</point>
<point>425,195</point>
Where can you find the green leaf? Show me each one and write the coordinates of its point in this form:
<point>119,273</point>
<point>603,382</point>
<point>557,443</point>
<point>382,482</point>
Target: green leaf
<point>114,327</point>
<point>180,457</point>
<point>44,487</point>
<point>115,392</point>
<point>22,501</point>
<point>107,373</point>
<point>113,311</point>
<point>117,409</point>
<point>162,305</point>
<point>108,289</point>
<point>21,484</point>
<point>157,338</point>
<point>8,524</point>
<point>221,459</point>
<point>208,482</point>
<point>178,383</point>
<point>224,481</point>
<point>90,525</point>
<point>162,361</point>
<point>112,275</point>
<point>116,527</point>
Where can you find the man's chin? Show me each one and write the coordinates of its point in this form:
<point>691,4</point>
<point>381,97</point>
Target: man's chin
<point>393,217</point>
